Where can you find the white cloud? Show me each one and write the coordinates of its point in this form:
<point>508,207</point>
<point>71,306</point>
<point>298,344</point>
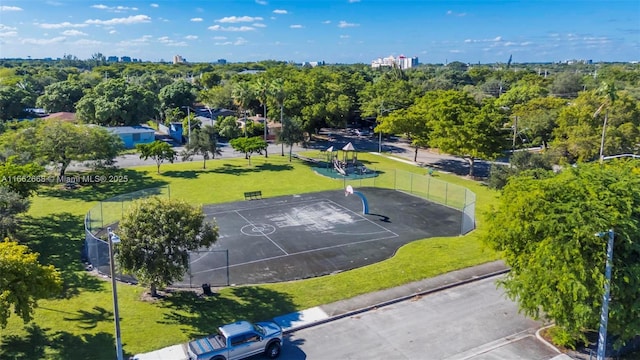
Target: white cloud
<point>296,26</point>
<point>54,40</point>
<point>191,37</point>
<point>134,19</point>
<point>114,8</point>
<point>87,42</point>
<point>219,38</point>
<point>280,11</point>
<point>240,41</point>
<point>344,36</point>
<point>497,38</point>
<point>5,27</point>
<point>259,25</point>
<point>344,24</point>
<point>327,22</point>
<point>450,12</point>
<point>113,32</point>
<point>10,8</point>
<point>154,5</point>
<point>170,42</point>
<point>261,2</point>
<point>144,40</point>
<point>353,1</point>
<point>8,34</point>
<point>455,51</point>
<point>196,19</point>
<point>230,28</point>
<point>62,25</point>
<point>73,33</point>
<point>237,19</point>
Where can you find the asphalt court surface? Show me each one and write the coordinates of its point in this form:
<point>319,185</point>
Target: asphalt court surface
<point>301,236</point>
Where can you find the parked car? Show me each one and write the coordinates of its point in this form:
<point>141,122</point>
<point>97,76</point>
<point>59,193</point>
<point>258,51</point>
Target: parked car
<point>238,341</point>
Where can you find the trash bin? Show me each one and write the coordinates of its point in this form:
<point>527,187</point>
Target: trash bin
<point>206,289</point>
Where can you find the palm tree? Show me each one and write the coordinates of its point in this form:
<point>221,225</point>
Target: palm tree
<point>609,91</point>
<point>278,93</point>
<point>242,96</point>
<point>261,91</point>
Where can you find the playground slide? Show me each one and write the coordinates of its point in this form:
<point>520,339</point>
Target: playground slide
<point>339,169</point>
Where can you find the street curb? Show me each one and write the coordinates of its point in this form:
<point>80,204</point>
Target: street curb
<point>396,300</point>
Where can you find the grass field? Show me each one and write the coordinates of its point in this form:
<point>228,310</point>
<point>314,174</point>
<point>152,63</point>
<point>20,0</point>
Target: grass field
<point>79,325</point>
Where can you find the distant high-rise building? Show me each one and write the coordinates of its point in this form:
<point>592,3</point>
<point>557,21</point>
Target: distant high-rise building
<point>177,59</point>
<point>113,59</point>
<point>125,59</point>
<point>222,61</point>
<point>401,61</point>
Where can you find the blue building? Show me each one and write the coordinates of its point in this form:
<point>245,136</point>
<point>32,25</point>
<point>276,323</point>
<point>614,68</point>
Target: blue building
<point>174,130</point>
<point>132,135</point>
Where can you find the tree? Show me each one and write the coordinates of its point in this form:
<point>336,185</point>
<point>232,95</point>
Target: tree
<point>116,102</point>
<point>13,101</point>
<point>291,134</point>
<point>61,143</point>
<point>20,178</point>
<point>248,146</point>
<point>178,94</point>
<point>538,116</point>
<point>228,127</point>
<point>11,205</point>
<point>156,237</point>
<point>158,151</point>
<point>261,89</point>
<point>545,230</point>
<point>410,122</point>
<point>23,281</point>
<point>279,94</point>
<point>205,143</point>
<point>61,96</point>
<point>460,127</point>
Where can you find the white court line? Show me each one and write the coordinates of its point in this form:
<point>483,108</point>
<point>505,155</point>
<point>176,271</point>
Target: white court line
<point>263,234</point>
<point>364,218</point>
<point>299,252</point>
<point>265,206</point>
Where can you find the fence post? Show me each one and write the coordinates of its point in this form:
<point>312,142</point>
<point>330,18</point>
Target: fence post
<point>446,193</point>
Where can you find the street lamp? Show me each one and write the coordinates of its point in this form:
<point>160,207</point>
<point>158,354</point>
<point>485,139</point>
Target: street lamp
<point>188,122</point>
<point>114,239</point>
<point>604,315</point>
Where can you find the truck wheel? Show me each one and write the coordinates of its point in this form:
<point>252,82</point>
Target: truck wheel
<point>217,358</point>
<point>273,350</point>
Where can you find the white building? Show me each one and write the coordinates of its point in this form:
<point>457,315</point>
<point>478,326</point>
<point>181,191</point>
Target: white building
<point>177,59</point>
<point>401,61</point>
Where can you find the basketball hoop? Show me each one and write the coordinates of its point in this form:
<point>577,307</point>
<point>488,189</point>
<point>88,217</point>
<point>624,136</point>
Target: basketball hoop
<point>348,190</point>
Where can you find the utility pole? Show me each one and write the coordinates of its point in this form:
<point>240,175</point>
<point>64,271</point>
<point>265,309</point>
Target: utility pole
<point>604,315</point>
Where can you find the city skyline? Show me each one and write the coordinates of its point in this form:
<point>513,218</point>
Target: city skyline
<point>333,31</point>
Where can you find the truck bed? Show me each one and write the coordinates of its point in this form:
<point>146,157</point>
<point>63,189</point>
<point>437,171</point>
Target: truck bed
<point>207,344</point>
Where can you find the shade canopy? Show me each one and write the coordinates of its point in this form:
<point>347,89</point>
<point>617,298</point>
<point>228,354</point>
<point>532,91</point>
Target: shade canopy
<point>349,147</point>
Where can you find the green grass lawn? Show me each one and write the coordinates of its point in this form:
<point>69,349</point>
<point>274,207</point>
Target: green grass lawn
<point>79,325</point>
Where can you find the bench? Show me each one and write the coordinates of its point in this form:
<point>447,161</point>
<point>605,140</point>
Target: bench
<point>253,195</point>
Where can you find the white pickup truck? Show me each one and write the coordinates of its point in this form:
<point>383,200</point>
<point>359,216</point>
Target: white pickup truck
<point>235,341</point>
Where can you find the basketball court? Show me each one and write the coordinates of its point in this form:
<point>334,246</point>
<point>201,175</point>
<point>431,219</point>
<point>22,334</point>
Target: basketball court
<point>301,236</point>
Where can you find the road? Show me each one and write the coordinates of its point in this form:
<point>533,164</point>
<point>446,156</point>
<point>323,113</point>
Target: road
<point>473,321</point>
<point>394,146</point>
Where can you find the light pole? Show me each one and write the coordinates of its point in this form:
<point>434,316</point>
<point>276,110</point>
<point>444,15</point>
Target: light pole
<point>604,315</point>
<point>188,122</point>
<point>114,239</point>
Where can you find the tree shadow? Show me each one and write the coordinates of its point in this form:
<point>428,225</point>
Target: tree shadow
<point>52,237</point>
<point>30,346</point>
<point>203,315</point>
<point>39,343</point>
<point>116,182</point>
<point>90,319</point>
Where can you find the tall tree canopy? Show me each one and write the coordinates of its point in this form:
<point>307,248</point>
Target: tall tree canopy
<point>61,96</point>
<point>116,102</point>
<point>159,151</point>
<point>156,237</point>
<point>545,229</point>
<point>23,281</point>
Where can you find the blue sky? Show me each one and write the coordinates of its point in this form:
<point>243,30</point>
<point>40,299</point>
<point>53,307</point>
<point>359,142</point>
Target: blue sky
<point>334,31</point>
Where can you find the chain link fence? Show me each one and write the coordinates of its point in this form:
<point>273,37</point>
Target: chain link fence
<point>105,214</point>
<point>425,186</point>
